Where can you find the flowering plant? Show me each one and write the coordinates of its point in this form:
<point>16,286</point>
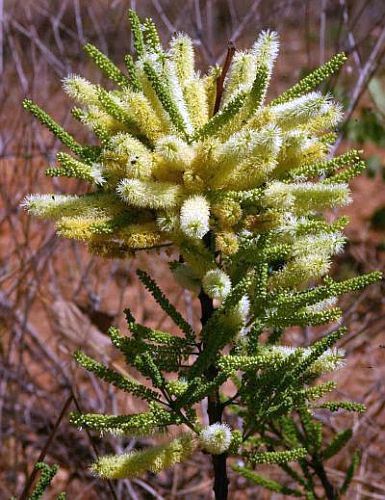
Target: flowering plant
<point>239,186</point>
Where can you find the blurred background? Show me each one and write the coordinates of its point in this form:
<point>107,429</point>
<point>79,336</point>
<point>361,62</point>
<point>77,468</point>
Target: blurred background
<point>54,297</point>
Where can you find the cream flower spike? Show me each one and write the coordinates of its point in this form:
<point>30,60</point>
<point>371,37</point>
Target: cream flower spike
<point>215,438</point>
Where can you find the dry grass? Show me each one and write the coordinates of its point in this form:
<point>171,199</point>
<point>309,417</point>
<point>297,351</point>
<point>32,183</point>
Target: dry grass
<point>54,297</point>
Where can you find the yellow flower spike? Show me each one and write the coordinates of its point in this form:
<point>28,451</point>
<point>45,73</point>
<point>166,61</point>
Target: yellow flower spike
<point>261,146</point>
<point>80,89</point>
<point>298,150</point>
<point>142,194</point>
<point>227,243</point>
<point>247,176</point>
<point>241,75</point>
<point>80,228</point>
<point>314,152</point>
<point>305,196</point>
<point>155,104</point>
<point>92,230</point>
<point>227,211</point>
<point>210,83</point>
<point>327,121</point>
<point>145,235</point>
<point>193,88</point>
<point>260,223</point>
<point>299,272</point>
<point>110,249</point>
<point>143,114</point>
<point>155,459</point>
<point>135,159</point>
<point>161,171</point>
<point>260,119</point>
<point>196,101</point>
<point>175,152</point>
<point>56,206</point>
<point>206,158</point>
<point>95,117</point>
<point>322,244</point>
<point>182,53</point>
<point>175,88</point>
<point>299,111</point>
<point>266,48</point>
<point>127,145</point>
<point>193,182</point>
<point>114,168</point>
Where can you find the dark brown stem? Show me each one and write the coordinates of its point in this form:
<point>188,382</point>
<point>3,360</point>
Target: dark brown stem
<point>330,491</point>
<point>214,405</point>
<point>221,481</point>
<point>214,411</point>
<point>222,76</point>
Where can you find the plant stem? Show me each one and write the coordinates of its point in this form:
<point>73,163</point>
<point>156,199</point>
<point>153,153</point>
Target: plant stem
<point>214,411</point>
<point>214,406</point>
<point>330,491</point>
<point>222,76</point>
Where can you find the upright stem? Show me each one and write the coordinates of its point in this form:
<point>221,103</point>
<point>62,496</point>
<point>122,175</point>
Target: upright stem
<point>214,406</point>
<point>330,491</point>
<point>222,76</point>
<point>214,411</point>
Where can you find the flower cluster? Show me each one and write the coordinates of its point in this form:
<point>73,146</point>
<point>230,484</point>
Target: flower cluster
<point>176,160</point>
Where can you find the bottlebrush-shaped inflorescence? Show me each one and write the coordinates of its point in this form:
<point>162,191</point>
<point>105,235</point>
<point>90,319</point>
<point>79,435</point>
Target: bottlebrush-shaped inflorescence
<point>239,185</point>
<point>169,170</point>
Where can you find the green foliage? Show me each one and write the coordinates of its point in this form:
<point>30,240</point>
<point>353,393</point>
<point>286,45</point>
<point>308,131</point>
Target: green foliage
<point>114,378</point>
<point>269,484</point>
<point>46,475</point>
<point>165,98</point>
<point>70,167</point>
<point>164,303</point>
<point>312,80</point>
<point>141,424</point>
<point>339,441</point>
<point>344,405</point>
<point>277,457</point>
<point>241,194</point>
<point>53,127</point>
<point>132,73</point>
<point>214,125</point>
<point>106,65</point>
<point>137,32</point>
<point>350,472</point>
